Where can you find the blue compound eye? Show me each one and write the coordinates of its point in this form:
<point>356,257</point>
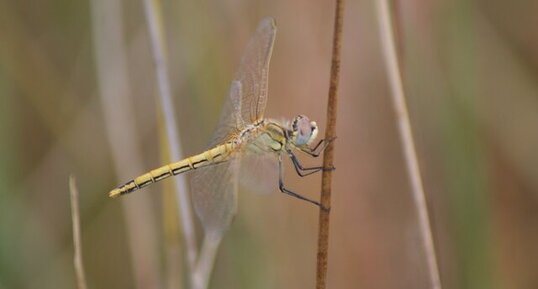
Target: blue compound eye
<point>304,130</point>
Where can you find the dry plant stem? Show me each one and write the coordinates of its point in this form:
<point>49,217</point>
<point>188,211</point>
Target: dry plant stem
<point>154,21</point>
<point>330,133</point>
<point>203,269</point>
<point>114,93</point>
<point>406,136</point>
<point>75,215</point>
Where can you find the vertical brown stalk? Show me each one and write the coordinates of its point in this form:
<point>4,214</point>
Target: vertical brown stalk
<point>154,20</point>
<point>77,243</point>
<point>330,133</point>
<point>114,90</point>
<point>406,137</point>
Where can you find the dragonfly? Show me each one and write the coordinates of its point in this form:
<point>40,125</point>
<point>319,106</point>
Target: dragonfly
<point>243,137</point>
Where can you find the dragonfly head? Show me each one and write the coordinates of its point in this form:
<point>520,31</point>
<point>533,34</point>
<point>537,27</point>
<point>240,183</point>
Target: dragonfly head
<point>303,131</point>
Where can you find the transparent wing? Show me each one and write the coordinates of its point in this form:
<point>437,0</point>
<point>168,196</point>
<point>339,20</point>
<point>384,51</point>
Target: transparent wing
<point>214,195</point>
<point>248,92</point>
<point>259,172</point>
<point>253,71</point>
<point>215,187</point>
<point>230,121</point>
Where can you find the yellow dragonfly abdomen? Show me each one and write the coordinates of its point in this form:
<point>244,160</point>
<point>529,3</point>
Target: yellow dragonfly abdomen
<point>212,156</point>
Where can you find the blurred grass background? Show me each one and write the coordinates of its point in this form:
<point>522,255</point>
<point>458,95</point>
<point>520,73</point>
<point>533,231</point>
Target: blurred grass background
<point>470,70</point>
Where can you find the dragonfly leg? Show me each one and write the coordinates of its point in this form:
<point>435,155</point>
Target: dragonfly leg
<point>293,194</point>
<point>314,152</point>
<point>305,171</point>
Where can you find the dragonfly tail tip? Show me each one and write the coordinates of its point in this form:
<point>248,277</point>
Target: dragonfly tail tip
<point>114,193</point>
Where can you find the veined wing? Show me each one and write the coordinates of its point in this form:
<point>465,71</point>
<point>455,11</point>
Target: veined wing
<point>215,196</point>
<point>215,187</point>
<point>230,121</point>
<point>248,92</point>
<point>259,172</point>
<point>253,71</point>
